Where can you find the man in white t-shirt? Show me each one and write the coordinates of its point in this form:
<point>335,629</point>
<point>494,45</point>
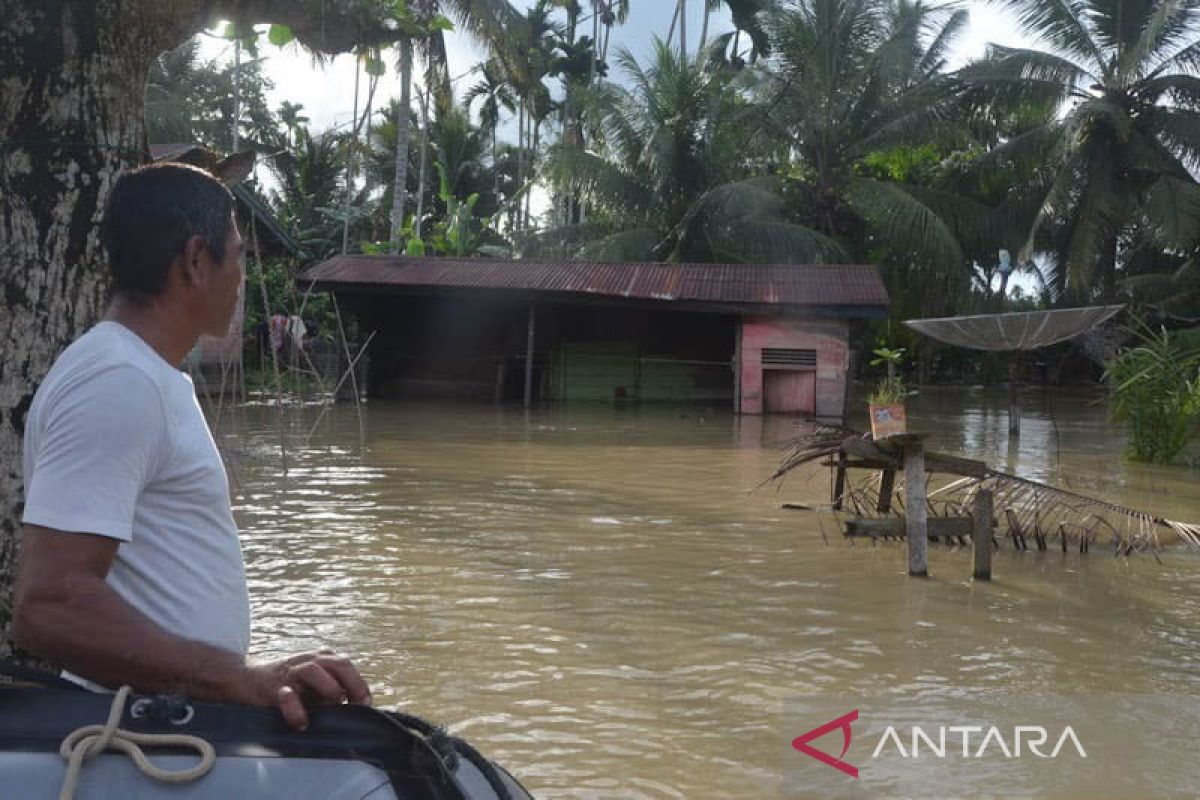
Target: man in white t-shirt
<point>130,567</point>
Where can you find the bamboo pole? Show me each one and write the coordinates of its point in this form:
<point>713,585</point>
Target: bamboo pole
<point>262,288</point>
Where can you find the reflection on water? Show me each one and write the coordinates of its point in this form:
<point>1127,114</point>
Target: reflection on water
<point>602,600</point>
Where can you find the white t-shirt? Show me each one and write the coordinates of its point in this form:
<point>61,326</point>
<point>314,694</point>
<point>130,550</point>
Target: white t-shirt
<point>116,445</point>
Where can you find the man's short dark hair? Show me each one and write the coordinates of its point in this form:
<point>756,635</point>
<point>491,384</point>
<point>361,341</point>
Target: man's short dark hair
<point>152,212</point>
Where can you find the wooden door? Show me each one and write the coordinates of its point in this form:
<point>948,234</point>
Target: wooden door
<point>789,392</point>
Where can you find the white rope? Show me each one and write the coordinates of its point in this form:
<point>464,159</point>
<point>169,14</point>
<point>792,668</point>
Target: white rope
<point>85,743</point>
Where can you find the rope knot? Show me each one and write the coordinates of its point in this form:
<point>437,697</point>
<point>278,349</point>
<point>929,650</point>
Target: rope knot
<point>84,744</point>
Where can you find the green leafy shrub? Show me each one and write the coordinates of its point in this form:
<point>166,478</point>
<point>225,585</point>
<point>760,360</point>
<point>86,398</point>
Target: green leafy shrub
<point>1155,389</point>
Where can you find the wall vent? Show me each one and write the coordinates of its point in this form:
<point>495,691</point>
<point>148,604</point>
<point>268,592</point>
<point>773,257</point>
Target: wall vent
<point>781,357</point>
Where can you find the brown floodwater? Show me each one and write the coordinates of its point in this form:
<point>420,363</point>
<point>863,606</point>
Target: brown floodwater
<point>607,602</point>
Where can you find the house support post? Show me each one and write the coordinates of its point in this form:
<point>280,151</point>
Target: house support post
<point>981,536</point>
<point>916,513</point>
<point>529,355</point>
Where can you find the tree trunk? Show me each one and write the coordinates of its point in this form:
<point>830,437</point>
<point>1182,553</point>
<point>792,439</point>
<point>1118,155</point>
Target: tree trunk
<point>595,42</point>
<point>683,31</point>
<point>423,173</point>
<point>237,94</point>
<point>72,96</point>
<point>537,126</point>
<point>400,182</point>
<point>703,32</point>
<point>495,168</point>
<point>520,161</point>
<point>350,161</point>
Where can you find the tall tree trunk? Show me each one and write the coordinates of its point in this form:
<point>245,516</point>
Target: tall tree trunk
<point>520,160</point>
<point>537,126</point>
<point>683,31</point>
<point>495,168</point>
<point>350,151</point>
<point>423,173</point>
<point>73,118</point>
<point>595,42</point>
<point>403,124</point>
<point>704,32</point>
<point>237,94</point>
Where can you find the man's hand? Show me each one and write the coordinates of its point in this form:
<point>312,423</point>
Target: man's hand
<point>322,678</point>
<point>65,611</point>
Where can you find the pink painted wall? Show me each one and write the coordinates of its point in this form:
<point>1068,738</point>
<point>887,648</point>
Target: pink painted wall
<point>828,338</point>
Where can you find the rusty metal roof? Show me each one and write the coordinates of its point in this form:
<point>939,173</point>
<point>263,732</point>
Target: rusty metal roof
<point>833,285</point>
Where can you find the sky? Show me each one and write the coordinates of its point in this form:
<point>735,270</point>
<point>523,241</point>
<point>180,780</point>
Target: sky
<point>327,92</point>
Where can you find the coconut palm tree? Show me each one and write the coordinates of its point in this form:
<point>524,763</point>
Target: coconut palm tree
<point>851,78</point>
<point>291,119</point>
<point>670,179</point>
<point>748,19</point>
<point>495,94</point>
<point>1117,152</point>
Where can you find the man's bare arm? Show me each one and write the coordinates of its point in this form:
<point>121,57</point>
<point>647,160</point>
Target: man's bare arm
<point>65,611</point>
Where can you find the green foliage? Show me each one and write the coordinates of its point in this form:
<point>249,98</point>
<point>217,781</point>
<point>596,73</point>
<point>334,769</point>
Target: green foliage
<point>673,173</point>
<point>1155,389</point>
<point>460,233</point>
<point>885,355</point>
<point>191,101</point>
<point>903,163</point>
<point>280,35</point>
<point>283,297</point>
<point>1108,168</point>
<point>891,389</point>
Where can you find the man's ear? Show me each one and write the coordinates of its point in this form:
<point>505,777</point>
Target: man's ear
<point>193,252</point>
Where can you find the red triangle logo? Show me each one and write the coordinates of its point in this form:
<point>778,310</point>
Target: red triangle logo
<point>842,723</point>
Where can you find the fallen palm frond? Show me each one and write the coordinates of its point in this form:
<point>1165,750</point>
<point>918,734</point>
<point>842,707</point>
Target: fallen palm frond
<point>823,441</point>
<point>1026,511</point>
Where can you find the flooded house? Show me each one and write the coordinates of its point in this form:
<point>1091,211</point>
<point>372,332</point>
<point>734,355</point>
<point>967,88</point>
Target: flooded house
<point>754,338</point>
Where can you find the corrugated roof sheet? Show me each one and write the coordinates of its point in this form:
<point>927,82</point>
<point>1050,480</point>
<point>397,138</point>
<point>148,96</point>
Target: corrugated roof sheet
<point>742,284</point>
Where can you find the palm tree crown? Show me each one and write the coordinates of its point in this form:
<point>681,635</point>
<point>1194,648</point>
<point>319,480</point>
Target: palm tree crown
<point>1110,162</point>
